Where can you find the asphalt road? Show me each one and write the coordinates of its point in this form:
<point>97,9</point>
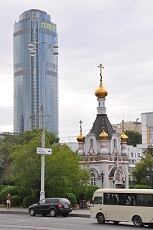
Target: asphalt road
<point>26,222</point>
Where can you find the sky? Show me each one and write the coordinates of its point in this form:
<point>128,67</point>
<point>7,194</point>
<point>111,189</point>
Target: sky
<point>116,33</point>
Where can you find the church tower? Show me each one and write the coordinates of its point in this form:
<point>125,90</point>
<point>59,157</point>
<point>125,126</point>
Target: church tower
<point>104,148</point>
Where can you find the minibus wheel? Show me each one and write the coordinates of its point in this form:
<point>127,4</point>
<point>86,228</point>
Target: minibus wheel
<point>100,218</point>
<point>137,221</point>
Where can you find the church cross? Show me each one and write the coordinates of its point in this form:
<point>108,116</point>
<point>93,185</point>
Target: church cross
<point>80,126</point>
<point>101,67</point>
<point>123,125</point>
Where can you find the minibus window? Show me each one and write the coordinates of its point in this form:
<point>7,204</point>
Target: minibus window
<point>97,200</point>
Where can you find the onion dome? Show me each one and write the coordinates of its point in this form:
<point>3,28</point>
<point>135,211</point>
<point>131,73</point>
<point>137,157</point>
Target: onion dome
<point>123,137</point>
<point>101,92</point>
<point>103,135</point>
<point>80,138</point>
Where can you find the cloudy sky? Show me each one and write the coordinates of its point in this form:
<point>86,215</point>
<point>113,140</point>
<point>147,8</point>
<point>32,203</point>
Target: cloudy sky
<point>116,33</point>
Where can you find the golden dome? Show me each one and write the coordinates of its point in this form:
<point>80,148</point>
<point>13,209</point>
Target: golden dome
<point>124,137</point>
<point>103,135</point>
<point>80,138</point>
<point>101,92</point>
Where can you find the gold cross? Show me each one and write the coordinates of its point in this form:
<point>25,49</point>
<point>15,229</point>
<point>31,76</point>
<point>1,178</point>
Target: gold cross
<point>101,67</point>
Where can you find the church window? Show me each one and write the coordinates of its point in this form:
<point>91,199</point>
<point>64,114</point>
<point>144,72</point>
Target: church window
<point>92,179</point>
<point>115,143</point>
<point>91,143</point>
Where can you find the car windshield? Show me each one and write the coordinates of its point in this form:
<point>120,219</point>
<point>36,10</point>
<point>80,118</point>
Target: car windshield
<point>42,201</point>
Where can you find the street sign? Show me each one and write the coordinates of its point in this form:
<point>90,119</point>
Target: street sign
<point>44,150</point>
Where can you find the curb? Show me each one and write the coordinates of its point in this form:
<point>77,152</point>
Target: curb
<point>27,213</point>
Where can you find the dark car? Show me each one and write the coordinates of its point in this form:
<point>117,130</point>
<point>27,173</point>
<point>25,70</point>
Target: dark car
<point>52,207</point>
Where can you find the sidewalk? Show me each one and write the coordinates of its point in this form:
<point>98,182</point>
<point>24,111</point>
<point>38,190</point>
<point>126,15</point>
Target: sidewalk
<point>75,213</point>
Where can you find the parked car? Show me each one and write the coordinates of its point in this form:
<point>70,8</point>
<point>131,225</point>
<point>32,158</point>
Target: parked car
<point>52,207</point>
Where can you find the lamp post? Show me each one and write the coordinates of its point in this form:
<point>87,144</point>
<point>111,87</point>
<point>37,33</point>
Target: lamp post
<point>102,178</point>
<point>34,47</point>
<point>150,171</point>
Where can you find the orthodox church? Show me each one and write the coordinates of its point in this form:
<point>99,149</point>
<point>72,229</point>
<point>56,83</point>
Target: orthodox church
<point>103,149</point>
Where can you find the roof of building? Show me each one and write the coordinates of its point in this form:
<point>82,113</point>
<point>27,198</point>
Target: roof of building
<point>100,122</point>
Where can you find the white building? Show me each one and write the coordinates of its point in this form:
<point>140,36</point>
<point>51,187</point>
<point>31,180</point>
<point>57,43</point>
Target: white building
<point>104,150</point>
<point>134,156</point>
<point>147,130</point>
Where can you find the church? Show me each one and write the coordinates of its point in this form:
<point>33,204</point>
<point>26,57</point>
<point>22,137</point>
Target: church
<point>103,149</point>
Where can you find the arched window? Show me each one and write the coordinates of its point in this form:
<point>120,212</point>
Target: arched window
<point>115,143</point>
<point>91,143</point>
<point>92,179</point>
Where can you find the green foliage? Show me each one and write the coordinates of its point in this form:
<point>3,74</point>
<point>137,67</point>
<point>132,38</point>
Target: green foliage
<point>23,192</point>
<point>15,201</point>
<point>2,186</point>
<point>138,186</point>
<point>9,189</point>
<point>140,173</point>
<point>149,150</point>
<point>63,172</point>
<point>72,198</point>
<point>90,189</point>
<point>28,200</point>
<point>25,167</point>
<point>134,137</point>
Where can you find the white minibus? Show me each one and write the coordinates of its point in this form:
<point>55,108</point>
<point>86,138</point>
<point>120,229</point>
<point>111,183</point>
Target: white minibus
<point>123,205</point>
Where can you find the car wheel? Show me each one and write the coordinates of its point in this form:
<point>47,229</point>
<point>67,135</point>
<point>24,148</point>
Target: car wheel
<point>52,212</point>
<point>32,212</point>
<point>100,218</point>
<point>65,214</point>
<point>116,222</point>
<point>137,221</point>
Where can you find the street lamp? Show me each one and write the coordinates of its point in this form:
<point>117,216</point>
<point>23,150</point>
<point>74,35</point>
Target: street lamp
<point>102,178</point>
<point>150,170</point>
<point>34,47</point>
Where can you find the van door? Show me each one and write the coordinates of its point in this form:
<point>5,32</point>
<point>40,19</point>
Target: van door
<point>96,206</point>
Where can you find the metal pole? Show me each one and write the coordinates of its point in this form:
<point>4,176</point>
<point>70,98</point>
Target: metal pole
<point>102,178</point>
<point>33,47</point>
<point>42,192</point>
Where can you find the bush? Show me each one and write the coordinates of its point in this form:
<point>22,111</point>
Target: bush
<point>28,200</point>
<point>72,198</point>
<point>138,186</point>
<point>23,193</point>
<point>9,189</point>
<point>1,188</point>
<point>15,200</point>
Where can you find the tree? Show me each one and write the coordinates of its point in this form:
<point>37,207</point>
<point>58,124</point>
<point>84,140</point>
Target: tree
<point>63,170</point>
<point>6,144</point>
<point>64,173</point>
<point>134,137</point>
<point>139,173</point>
<point>149,150</point>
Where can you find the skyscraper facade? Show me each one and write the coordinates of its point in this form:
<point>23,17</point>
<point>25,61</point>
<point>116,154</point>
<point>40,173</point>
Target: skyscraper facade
<point>35,26</point>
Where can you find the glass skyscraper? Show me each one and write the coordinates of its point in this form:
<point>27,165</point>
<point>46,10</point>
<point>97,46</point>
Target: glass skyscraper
<point>35,26</point>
